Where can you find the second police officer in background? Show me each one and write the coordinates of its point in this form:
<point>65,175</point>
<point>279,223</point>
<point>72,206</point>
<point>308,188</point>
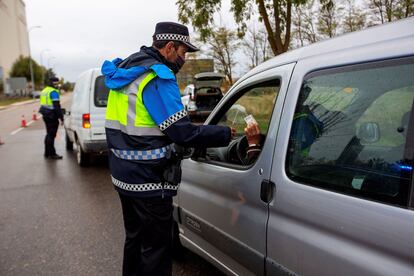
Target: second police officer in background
<point>52,113</point>
<point>144,117</point>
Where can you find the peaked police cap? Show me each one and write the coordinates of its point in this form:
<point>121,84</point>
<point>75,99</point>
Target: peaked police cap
<point>174,32</point>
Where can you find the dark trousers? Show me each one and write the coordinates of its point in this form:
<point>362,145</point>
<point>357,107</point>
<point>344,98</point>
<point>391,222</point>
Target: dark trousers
<point>148,228</point>
<point>52,126</point>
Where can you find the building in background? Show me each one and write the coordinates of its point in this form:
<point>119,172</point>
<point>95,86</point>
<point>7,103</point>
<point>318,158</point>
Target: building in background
<point>191,67</point>
<point>14,39</point>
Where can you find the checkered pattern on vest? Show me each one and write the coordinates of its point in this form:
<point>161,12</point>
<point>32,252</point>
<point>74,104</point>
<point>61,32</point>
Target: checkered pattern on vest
<point>142,187</point>
<point>141,154</point>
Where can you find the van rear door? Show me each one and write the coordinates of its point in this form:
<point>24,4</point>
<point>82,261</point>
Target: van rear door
<point>98,102</point>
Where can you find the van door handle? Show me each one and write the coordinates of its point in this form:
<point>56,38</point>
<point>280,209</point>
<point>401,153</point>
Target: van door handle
<point>266,190</point>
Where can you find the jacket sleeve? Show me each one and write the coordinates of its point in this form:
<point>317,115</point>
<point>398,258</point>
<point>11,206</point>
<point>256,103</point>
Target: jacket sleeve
<point>56,104</point>
<point>162,99</point>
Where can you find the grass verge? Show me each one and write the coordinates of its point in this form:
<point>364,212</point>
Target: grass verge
<point>4,100</point>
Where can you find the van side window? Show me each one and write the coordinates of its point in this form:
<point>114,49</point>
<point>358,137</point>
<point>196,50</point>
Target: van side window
<point>349,131</point>
<point>257,100</point>
<point>101,92</point>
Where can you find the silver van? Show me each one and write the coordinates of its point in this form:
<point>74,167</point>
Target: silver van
<point>331,192</point>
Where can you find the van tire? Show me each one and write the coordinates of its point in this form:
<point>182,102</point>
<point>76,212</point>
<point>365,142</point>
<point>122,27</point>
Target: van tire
<point>69,143</point>
<point>82,157</point>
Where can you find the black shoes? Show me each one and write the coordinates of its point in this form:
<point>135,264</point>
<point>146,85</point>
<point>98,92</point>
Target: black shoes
<point>55,156</point>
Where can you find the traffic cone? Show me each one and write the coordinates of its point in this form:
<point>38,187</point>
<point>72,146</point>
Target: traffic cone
<point>34,117</point>
<point>23,122</point>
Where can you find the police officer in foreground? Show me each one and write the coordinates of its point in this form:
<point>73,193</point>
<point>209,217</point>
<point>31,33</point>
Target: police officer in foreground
<point>145,121</point>
<point>52,113</point>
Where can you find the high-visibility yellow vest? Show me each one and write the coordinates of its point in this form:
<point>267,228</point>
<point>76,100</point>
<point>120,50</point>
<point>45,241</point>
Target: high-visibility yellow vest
<point>45,99</point>
<point>126,112</point>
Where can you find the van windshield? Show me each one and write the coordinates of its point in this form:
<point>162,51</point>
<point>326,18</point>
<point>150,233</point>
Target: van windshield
<point>101,92</point>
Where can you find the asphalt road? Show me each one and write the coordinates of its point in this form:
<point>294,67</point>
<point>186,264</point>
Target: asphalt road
<point>55,217</point>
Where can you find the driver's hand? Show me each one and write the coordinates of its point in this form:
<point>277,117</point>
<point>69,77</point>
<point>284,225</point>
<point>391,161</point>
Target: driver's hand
<point>252,132</point>
<point>233,132</point>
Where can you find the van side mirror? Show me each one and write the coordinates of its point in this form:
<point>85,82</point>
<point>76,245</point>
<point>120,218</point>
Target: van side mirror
<point>183,152</point>
<point>188,153</point>
<point>368,132</point>
<point>198,153</point>
<point>65,112</point>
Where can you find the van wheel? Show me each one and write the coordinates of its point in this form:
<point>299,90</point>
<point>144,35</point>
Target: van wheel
<point>82,157</point>
<point>69,144</point>
<point>178,248</point>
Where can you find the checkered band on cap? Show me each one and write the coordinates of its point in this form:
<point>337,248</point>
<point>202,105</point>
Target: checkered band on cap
<point>175,37</point>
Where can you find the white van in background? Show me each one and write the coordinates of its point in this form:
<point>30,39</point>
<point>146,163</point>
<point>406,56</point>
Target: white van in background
<point>85,122</point>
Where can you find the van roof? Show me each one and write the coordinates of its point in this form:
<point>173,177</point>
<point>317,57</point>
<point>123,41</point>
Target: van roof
<point>373,35</point>
<point>88,72</point>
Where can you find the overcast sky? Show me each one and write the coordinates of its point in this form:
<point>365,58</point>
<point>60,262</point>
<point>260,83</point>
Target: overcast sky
<point>81,34</point>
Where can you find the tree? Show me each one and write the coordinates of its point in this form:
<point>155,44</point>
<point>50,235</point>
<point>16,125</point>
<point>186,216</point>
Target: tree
<point>21,68</point>
<point>304,24</point>
<point>276,16</point>
<point>328,18</point>
<point>68,86</point>
<point>256,46</point>
<point>222,45</point>
<point>382,11</point>
<point>390,10</point>
<point>49,73</point>
<point>404,9</point>
<point>354,19</point>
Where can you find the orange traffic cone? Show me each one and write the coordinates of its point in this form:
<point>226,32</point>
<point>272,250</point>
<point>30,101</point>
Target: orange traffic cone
<point>23,122</point>
<point>34,117</point>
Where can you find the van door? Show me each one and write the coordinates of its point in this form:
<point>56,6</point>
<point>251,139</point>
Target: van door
<point>223,197</point>
<point>80,105</point>
<point>99,98</point>
<point>344,172</point>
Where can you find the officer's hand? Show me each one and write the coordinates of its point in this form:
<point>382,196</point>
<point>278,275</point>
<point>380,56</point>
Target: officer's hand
<point>61,122</point>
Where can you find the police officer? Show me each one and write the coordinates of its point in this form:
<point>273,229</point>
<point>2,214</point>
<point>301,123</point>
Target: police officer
<point>306,127</point>
<point>144,118</point>
<point>52,113</point>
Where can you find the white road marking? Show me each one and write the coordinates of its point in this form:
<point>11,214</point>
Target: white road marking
<point>17,130</point>
<point>28,124</point>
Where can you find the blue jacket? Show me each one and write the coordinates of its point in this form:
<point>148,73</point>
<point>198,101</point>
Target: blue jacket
<point>161,97</point>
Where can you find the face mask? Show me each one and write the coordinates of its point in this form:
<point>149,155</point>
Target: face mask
<point>176,66</point>
<point>179,62</point>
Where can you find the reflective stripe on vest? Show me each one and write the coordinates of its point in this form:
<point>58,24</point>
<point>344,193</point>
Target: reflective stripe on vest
<point>126,111</point>
<point>45,99</point>
<point>151,154</point>
<point>142,187</point>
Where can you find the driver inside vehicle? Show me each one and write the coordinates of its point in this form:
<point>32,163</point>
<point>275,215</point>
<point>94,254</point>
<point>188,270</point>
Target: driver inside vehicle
<point>306,129</point>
